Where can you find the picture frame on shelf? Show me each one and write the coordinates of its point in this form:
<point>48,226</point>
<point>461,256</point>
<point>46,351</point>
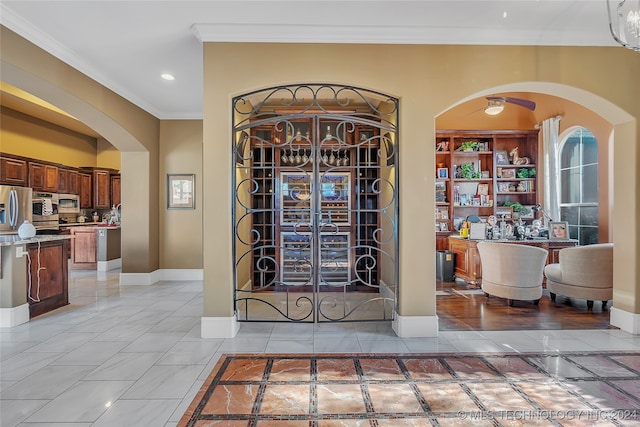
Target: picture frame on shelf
<point>503,187</point>
<point>483,189</point>
<point>501,157</point>
<point>442,173</point>
<point>529,214</point>
<point>558,230</point>
<point>504,211</point>
<point>485,174</point>
<point>508,173</point>
<point>181,191</point>
<point>444,226</point>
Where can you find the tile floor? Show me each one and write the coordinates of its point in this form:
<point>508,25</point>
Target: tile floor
<point>572,389</point>
<point>133,356</point>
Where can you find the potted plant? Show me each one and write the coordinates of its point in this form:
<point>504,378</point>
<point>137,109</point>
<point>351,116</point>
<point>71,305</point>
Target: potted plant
<point>469,146</point>
<point>467,171</point>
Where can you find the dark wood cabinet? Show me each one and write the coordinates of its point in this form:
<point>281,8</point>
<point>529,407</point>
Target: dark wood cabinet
<point>101,189</point>
<point>63,180</point>
<point>115,190</point>
<point>43,177</point>
<point>49,276</point>
<point>85,190</point>
<point>13,171</point>
<point>73,182</point>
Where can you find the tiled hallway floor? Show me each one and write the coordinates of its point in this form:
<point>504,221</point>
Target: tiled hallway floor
<point>133,356</point>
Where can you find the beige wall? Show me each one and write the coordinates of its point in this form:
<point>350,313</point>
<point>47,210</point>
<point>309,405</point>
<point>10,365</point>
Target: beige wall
<point>26,136</point>
<point>428,80</point>
<point>181,229</point>
<point>107,155</point>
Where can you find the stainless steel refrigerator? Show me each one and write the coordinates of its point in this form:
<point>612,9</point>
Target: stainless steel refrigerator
<point>15,208</point>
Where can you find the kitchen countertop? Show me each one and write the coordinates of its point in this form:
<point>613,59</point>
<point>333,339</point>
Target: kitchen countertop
<point>88,224</point>
<point>14,239</point>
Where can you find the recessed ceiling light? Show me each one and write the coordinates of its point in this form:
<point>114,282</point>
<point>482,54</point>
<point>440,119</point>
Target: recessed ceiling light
<point>168,76</point>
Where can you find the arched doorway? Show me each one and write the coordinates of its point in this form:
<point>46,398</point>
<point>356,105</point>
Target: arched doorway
<point>315,192</point>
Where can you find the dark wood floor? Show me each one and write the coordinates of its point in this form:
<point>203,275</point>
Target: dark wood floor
<point>461,307</point>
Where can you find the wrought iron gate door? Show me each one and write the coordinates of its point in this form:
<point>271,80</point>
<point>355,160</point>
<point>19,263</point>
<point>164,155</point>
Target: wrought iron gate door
<point>315,213</point>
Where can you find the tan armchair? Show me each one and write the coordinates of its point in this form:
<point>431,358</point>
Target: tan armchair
<point>584,272</point>
<point>512,271</point>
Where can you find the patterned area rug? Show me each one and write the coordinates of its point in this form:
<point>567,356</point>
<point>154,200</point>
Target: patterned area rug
<point>568,389</point>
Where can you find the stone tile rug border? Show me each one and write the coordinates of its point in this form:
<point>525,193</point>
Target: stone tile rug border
<point>560,389</point>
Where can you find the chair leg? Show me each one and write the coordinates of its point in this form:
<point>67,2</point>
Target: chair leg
<point>552,296</point>
<point>536,302</point>
<point>510,302</point>
<point>486,294</point>
<point>589,304</point>
<point>604,304</point>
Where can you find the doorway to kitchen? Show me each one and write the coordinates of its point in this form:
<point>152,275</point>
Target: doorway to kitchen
<point>315,212</point>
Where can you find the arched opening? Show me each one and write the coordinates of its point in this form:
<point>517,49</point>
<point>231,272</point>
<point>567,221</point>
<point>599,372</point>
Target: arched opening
<point>577,108</point>
<point>139,248</point>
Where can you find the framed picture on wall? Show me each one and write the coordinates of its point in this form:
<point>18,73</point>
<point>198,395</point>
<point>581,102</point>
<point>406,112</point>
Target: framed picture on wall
<point>181,191</point>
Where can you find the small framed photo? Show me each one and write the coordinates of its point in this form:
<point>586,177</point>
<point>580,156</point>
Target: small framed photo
<point>503,187</point>
<point>504,211</point>
<point>558,230</point>
<point>443,173</point>
<point>181,191</point>
<point>502,158</point>
<point>485,174</point>
<point>529,214</point>
<point>483,189</point>
<point>508,173</point>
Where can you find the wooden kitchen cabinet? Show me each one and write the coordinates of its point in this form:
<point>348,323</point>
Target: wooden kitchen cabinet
<point>73,185</point>
<point>85,190</point>
<point>43,177</point>
<point>13,171</point>
<point>115,190</point>
<point>63,180</point>
<point>49,276</point>
<point>101,189</point>
<point>83,248</point>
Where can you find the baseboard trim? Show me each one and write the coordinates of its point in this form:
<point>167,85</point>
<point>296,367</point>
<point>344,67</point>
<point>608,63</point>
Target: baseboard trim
<point>14,316</point>
<point>158,275</point>
<point>628,322</point>
<point>112,264</point>
<point>415,326</point>
<point>182,274</point>
<point>219,327</point>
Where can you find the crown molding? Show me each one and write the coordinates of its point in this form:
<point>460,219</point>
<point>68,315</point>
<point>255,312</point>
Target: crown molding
<point>395,34</point>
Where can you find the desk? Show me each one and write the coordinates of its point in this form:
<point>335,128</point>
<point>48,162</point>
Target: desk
<point>467,258</point>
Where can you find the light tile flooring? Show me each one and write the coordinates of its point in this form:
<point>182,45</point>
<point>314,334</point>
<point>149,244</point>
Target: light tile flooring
<point>133,356</point>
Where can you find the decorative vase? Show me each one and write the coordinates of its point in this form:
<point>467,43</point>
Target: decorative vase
<point>26,230</point>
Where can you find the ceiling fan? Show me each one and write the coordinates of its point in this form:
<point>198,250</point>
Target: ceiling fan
<point>496,104</point>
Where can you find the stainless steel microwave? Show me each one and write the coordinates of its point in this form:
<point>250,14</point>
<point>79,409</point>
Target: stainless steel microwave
<point>68,204</point>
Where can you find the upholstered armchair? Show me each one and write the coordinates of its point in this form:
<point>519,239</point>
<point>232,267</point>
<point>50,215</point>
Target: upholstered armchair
<point>512,271</point>
<point>584,272</point>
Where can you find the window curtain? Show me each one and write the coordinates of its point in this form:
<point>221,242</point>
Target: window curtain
<point>550,154</point>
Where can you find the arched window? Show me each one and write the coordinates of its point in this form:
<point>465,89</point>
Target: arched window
<point>579,185</point>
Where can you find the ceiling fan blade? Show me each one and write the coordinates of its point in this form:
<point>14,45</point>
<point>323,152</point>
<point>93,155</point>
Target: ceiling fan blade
<point>517,101</point>
<point>522,102</point>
